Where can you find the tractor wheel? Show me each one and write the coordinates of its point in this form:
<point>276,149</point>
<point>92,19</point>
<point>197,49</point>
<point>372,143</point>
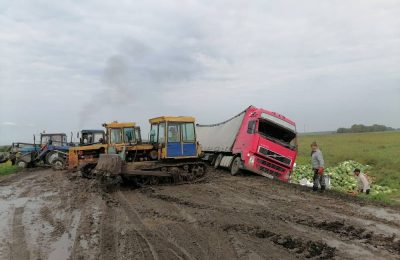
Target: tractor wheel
<point>22,164</point>
<point>218,161</point>
<point>58,164</point>
<point>235,167</point>
<point>50,157</point>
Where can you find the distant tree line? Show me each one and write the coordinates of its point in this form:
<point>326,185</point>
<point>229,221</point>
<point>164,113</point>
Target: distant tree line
<point>364,129</point>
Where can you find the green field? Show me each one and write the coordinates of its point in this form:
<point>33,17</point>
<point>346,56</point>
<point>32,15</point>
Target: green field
<point>7,168</point>
<point>379,150</point>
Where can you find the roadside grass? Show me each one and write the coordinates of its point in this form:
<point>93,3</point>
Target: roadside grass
<point>380,150</point>
<point>6,168</point>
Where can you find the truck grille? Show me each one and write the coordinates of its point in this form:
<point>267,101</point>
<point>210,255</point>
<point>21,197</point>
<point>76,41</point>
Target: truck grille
<point>271,165</point>
<point>266,170</point>
<point>273,155</point>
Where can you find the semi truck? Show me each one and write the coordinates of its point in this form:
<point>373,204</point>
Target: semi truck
<point>256,140</point>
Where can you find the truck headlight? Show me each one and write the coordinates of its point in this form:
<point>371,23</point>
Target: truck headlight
<point>251,160</point>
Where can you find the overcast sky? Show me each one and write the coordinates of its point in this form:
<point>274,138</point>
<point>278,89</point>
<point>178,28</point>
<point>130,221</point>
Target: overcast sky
<point>69,65</point>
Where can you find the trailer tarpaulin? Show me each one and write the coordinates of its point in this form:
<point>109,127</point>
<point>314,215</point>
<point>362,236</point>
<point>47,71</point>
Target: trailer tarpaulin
<point>219,137</point>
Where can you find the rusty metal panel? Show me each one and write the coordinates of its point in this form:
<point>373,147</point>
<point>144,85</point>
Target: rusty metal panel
<point>219,137</point>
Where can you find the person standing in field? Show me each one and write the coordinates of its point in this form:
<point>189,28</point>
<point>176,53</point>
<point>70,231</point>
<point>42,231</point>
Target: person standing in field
<point>362,181</point>
<point>317,163</point>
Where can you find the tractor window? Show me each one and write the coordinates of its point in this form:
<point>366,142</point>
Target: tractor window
<point>56,139</point>
<point>161,133</point>
<point>115,135</point>
<point>188,132</point>
<point>154,133</point>
<point>98,137</point>
<point>45,139</point>
<point>173,133</point>
<point>138,135</point>
<point>129,135</point>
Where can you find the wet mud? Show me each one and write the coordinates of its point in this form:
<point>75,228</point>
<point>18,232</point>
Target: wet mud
<point>47,214</point>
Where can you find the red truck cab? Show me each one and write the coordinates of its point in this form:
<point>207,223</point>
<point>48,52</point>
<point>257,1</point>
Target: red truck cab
<point>267,143</point>
<point>256,140</point>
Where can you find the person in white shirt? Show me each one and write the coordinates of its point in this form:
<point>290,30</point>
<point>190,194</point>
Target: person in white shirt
<point>362,181</point>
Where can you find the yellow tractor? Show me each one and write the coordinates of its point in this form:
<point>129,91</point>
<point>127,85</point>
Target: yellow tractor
<point>120,136</point>
<point>171,155</point>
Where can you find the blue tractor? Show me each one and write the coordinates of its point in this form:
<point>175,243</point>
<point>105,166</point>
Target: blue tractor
<point>51,146</point>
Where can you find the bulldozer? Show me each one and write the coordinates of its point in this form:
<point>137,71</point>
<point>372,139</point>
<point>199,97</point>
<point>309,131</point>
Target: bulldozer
<point>120,136</point>
<point>172,154</point>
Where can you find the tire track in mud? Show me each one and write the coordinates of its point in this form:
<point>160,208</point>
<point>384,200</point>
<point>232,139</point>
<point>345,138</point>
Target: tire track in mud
<point>108,235</point>
<point>301,248</point>
<point>180,217</point>
<point>168,247</point>
<point>343,231</point>
<point>18,246</point>
<point>87,240</point>
<point>359,234</point>
<point>339,227</point>
<point>307,249</point>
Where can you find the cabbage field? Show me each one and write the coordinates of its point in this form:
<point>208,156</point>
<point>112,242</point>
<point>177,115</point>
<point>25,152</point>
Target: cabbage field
<point>375,153</point>
<point>341,177</point>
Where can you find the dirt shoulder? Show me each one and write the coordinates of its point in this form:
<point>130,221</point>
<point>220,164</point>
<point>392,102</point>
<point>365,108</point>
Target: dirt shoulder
<point>58,215</point>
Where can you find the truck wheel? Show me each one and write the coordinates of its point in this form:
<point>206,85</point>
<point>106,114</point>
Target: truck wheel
<point>235,167</point>
<point>218,161</point>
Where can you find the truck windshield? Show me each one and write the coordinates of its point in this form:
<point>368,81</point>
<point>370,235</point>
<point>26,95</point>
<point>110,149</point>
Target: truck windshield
<point>277,133</point>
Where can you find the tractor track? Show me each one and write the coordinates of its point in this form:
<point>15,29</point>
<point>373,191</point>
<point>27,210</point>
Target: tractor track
<point>58,215</point>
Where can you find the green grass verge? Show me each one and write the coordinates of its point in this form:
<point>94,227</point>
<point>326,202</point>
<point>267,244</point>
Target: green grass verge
<point>6,168</point>
<point>379,150</point>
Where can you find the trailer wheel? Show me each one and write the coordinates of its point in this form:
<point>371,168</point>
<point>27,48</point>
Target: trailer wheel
<point>218,161</point>
<point>235,167</point>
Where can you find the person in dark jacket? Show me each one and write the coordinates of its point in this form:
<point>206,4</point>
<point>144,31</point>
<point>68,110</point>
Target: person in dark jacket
<point>317,163</point>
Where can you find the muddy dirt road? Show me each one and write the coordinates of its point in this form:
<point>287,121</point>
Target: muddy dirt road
<point>57,215</point>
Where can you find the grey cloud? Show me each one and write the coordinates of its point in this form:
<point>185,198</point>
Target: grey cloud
<point>141,71</point>
<point>104,60</point>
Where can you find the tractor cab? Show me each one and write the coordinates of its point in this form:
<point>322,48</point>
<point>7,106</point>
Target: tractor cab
<point>122,133</point>
<point>89,137</point>
<point>124,138</point>
<point>55,139</point>
<point>174,137</point>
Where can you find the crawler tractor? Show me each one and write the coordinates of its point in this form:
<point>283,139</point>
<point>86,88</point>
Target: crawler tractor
<point>120,136</point>
<point>171,156</point>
